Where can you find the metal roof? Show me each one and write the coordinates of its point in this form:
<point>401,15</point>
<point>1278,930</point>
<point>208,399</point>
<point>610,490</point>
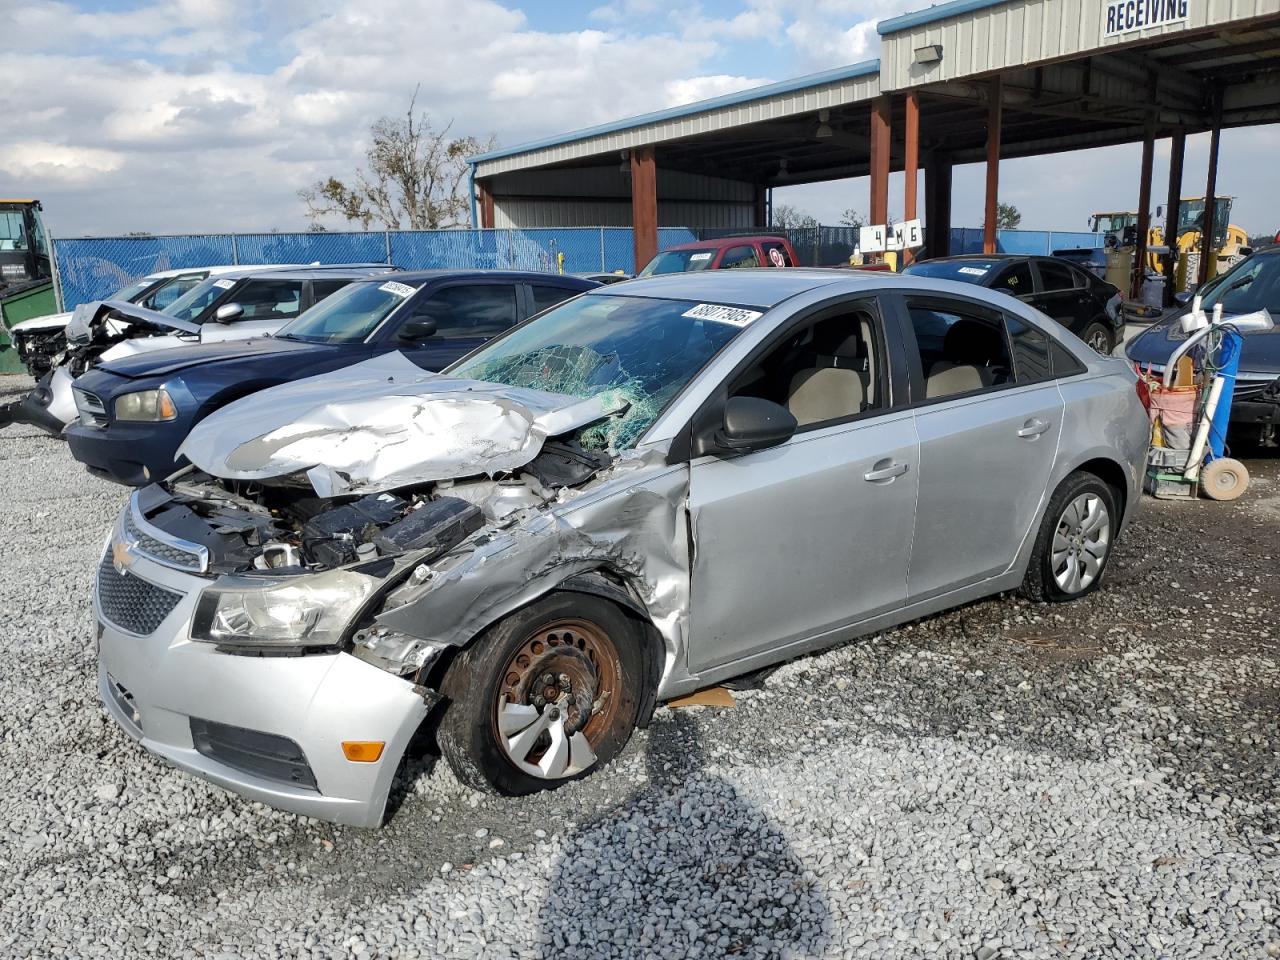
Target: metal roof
<point>939,11</point>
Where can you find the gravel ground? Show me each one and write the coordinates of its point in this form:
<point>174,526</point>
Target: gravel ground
<point>1004,780</point>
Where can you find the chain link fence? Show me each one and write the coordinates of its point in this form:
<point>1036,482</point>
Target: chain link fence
<point>92,268</point>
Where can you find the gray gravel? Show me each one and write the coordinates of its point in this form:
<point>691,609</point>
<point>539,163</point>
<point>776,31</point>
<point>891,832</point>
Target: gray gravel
<point>1005,780</point>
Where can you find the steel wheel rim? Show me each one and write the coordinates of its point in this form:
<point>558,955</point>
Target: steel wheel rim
<point>552,728</point>
<point>1081,539</point>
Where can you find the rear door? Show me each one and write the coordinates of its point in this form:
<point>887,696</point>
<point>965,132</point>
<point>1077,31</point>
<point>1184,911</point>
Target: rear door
<point>467,313</point>
<point>1061,295</point>
<point>988,415</point>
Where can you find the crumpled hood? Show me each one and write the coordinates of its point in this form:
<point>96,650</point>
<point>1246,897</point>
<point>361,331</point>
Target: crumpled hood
<point>382,424</point>
<point>88,315</point>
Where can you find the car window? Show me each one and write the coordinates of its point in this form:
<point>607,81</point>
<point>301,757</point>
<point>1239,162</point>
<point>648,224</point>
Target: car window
<point>545,297</point>
<point>1031,358</point>
<point>349,315</point>
<point>964,270</point>
<point>736,257</point>
<point>323,288</point>
<point>679,261</point>
<point>269,299</point>
<point>1056,276</point>
<point>1016,280</point>
<point>776,255</point>
<point>961,350</point>
<point>470,309</point>
<point>169,292</point>
<point>196,301</point>
<point>824,371</point>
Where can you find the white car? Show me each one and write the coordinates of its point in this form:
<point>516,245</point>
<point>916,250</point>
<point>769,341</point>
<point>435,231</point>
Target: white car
<point>40,339</point>
<point>238,303</point>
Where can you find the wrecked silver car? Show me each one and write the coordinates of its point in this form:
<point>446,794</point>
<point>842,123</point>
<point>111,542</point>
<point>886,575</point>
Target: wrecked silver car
<point>643,491</point>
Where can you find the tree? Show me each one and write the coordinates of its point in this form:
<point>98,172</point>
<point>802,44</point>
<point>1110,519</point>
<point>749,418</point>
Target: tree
<point>415,178</point>
<point>853,218</point>
<point>1007,217</point>
<point>787,217</point>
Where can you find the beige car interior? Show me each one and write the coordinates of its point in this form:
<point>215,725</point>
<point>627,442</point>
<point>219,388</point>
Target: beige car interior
<point>838,384</point>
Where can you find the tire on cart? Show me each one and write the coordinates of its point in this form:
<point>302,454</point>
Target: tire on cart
<point>1224,479</point>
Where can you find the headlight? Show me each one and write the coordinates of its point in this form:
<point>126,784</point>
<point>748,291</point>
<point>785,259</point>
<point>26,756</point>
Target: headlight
<point>305,611</point>
<point>148,405</point>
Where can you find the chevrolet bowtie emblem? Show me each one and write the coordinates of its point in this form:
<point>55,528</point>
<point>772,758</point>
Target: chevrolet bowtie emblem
<point>120,557</point>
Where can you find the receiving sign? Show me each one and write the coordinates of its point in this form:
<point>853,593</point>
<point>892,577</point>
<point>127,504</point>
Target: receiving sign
<point>1128,16</point>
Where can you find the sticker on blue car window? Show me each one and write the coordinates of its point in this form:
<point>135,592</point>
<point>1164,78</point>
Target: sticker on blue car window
<point>718,313</point>
<point>399,289</point>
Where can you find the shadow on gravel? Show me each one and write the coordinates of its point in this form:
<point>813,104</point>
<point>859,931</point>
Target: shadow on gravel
<point>685,868</point>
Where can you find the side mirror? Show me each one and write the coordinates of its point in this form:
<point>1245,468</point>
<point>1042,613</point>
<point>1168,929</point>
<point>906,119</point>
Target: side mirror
<point>1182,299</point>
<point>418,329</point>
<point>228,312</point>
<point>751,423</point>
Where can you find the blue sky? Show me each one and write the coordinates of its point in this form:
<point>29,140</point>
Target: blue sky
<point>210,115</point>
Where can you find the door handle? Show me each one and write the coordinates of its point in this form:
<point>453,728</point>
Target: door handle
<point>884,471</point>
<point>1032,429</point>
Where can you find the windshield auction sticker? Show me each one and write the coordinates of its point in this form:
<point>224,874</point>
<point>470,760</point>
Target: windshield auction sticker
<point>974,271</point>
<point>224,284</point>
<point>399,289</point>
<point>738,316</point>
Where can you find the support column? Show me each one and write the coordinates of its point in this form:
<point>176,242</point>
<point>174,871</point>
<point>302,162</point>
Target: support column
<point>881,120</point>
<point>644,205</point>
<point>1211,188</point>
<point>911,163</point>
<point>1144,213</point>
<point>485,201</point>
<point>937,204</point>
<point>995,117</point>
<point>760,208</point>
<point>1177,150</point>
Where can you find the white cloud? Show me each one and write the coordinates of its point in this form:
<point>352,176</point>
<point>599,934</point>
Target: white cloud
<point>692,89</point>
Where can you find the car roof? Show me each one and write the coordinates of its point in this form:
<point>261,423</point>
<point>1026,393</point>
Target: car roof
<point>721,242</point>
<point>763,287</point>
<point>312,272</point>
<point>418,277</point>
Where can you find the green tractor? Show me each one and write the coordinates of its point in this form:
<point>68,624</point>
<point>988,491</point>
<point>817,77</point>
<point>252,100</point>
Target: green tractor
<point>26,275</point>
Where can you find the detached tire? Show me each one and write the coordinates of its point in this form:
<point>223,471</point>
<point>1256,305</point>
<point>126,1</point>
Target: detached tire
<point>1099,337</point>
<point>1074,543</point>
<point>547,695</point>
<point>1224,479</point>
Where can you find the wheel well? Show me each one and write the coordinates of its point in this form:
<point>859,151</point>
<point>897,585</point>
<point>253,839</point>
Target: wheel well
<point>1112,474</point>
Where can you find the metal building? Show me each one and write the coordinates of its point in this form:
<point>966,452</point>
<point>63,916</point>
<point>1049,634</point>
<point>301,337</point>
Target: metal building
<point>964,81</point>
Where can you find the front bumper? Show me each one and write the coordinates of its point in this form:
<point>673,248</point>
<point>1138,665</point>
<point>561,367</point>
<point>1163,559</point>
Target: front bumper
<point>46,405</point>
<point>155,685</point>
<point>134,454</point>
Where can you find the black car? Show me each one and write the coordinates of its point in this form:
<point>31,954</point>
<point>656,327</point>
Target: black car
<point>1251,285</point>
<point>1084,304</point>
<point>134,412</point>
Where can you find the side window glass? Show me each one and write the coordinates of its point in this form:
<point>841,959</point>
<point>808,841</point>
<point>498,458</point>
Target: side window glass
<point>323,288</point>
<point>776,256</point>
<point>1056,276</point>
<point>824,371</point>
<point>1031,363</point>
<point>546,297</point>
<point>269,299</point>
<point>960,351</point>
<point>736,257</point>
<point>471,310</point>
<point>1016,280</point>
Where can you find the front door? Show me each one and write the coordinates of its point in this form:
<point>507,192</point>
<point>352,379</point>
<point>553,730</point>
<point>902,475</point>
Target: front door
<point>988,432</point>
<point>814,534</point>
<point>466,315</point>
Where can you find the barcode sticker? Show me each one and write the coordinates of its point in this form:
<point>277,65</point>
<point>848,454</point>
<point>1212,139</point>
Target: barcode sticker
<point>974,271</point>
<point>738,316</point>
<point>399,289</point>
<point>224,284</point>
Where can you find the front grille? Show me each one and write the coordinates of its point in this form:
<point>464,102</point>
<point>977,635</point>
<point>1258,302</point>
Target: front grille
<point>131,603</point>
<point>124,700</point>
<point>167,553</point>
<point>93,412</point>
<point>263,755</point>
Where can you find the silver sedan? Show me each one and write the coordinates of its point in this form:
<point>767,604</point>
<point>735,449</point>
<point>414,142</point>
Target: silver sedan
<point>646,490</point>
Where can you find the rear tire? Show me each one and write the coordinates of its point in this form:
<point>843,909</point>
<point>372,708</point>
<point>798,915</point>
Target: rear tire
<point>1100,338</point>
<point>1075,541</point>
<point>547,695</point>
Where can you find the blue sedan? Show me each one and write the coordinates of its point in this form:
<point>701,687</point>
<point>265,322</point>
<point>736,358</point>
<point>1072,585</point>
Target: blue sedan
<point>135,412</point>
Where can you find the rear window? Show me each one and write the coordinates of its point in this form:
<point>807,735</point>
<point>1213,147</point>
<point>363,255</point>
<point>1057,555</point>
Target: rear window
<point>965,271</point>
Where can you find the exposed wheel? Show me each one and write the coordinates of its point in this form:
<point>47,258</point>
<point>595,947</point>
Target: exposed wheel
<point>1100,338</point>
<point>545,696</point>
<point>1224,479</point>
<point>1074,543</point>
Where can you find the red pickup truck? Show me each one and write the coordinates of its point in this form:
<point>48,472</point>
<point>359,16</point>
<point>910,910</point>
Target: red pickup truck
<point>723,254</point>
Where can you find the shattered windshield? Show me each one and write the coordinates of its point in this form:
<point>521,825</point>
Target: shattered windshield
<point>349,315</point>
<point>644,349</point>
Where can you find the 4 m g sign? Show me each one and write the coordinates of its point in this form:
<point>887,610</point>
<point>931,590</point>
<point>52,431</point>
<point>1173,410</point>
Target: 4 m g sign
<point>1126,16</point>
